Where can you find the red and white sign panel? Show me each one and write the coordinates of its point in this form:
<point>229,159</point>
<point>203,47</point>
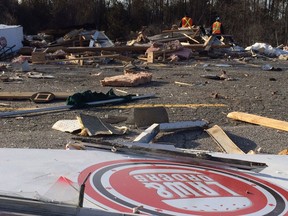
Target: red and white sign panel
<point>168,188</point>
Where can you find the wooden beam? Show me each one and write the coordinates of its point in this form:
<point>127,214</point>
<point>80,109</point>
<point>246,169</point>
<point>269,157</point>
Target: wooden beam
<point>259,120</point>
<point>223,141</point>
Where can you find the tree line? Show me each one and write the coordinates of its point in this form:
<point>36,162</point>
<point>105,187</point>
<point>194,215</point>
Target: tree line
<point>249,21</point>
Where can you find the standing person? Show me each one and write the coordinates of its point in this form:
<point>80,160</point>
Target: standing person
<point>217,27</point>
<point>186,22</point>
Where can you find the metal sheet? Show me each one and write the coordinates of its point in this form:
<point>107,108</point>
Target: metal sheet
<point>119,182</point>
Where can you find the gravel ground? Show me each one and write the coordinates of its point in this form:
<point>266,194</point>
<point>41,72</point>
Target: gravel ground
<point>250,89</point>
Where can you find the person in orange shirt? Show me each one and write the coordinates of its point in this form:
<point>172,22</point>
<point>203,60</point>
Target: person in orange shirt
<point>217,27</point>
<point>186,22</point>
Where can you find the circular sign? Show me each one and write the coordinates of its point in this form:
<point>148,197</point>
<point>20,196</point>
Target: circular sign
<point>168,188</point>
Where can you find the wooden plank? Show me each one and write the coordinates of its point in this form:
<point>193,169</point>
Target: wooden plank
<point>185,84</point>
<point>209,42</point>
<point>224,142</point>
<point>191,38</point>
<point>259,120</point>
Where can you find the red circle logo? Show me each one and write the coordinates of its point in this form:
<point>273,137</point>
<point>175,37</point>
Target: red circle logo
<point>167,188</point>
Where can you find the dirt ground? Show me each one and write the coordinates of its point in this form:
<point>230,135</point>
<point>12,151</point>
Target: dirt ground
<point>249,89</point>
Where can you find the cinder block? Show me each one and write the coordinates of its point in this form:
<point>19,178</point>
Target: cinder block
<point>147,116</point>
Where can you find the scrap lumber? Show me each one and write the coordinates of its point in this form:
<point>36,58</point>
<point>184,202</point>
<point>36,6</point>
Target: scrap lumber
<point>181,83</point>
<point>259,120</point>
<point>209,42</point>
<point>191,37</point>
<point>28,50</point>
<point>76,59</point>
<point>224,142</point>
<point>118,49</point>
<point>283,152</point>
<point>148,134</point>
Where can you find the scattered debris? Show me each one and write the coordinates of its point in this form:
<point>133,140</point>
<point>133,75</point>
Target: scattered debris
<point>72,104</point>
<point>266,49</point>
<point>87,125</point>
<point>37,75</point>
<point>4,105</point>
<point>184,84</point>
<point>75,146</point>
<point>268,67</point>
<point>23,61</point>
<point>223,76</point>
<point>136,210</point>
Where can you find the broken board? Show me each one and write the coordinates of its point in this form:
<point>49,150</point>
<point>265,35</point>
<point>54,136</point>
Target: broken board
<point>224,142</point>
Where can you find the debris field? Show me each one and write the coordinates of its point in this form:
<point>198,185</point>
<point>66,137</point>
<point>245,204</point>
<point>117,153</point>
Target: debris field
<point>182,90</point>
